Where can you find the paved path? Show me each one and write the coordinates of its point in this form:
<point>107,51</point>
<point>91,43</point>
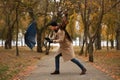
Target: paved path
<point>68,71</point>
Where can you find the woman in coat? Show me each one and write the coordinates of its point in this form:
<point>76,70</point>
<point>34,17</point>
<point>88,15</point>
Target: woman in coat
<point>66,48</point>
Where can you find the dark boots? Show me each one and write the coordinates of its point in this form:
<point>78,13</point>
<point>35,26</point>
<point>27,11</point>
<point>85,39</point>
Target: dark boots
<point>55,73</point>
<point>83,72</point>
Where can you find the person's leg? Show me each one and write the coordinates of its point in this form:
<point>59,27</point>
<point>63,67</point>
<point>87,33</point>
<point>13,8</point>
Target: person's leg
<point>80,65</point>
<point>57,64</point>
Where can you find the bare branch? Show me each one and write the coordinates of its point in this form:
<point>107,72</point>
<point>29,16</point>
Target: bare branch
<point>112,7</point>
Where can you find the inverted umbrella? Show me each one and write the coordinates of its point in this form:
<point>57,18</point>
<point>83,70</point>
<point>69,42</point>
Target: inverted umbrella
<point>30,35</point>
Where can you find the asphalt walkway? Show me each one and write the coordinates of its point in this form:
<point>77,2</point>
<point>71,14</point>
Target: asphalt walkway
<point>68,71</point>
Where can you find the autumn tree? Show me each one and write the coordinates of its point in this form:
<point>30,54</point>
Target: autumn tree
<point>9,11</point>
<point>118,27</point>
<point>92,13</point>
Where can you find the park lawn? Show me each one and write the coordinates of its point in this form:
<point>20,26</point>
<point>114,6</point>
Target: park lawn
<point>12,66</point>
<point>105,60</point>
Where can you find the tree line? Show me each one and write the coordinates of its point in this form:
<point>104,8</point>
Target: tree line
<point>97,20</point>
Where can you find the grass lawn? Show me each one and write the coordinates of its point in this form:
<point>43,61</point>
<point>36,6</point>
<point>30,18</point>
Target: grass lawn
<point>105,60</point>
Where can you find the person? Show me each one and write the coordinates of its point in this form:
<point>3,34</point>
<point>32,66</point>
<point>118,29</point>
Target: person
<point>66,48</point>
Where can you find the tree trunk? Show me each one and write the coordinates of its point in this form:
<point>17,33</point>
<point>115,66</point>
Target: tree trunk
<point>82,51</point>
<point>17,30</point>
<point>47,48</point>
<point>118,39</point>
<point>8,42</point>
<point>112,43</point>
<point>8,39</point>
<point>84,18</point>
<point>107,41</point>
<point>98,39</point>
<point>90,51</point>
<point>39,41</point>
<point>39,35</point>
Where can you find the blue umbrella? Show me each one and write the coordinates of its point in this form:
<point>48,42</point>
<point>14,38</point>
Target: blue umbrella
<point>30,35</point>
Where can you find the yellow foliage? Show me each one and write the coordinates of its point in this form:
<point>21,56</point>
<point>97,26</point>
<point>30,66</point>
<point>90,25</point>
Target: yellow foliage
<point>93,15</point>
<point>40,20</point>
<point>71,27</point>
<point>95,4</point>
<point>25,20</point>
<point>82,6</point>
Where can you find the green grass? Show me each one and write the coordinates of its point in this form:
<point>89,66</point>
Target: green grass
<point>4,75</point>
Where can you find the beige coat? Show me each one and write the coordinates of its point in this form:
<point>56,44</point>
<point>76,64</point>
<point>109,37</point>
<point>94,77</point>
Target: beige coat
<point>66,47</point>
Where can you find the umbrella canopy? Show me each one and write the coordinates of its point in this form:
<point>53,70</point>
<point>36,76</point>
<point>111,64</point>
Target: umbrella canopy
<point>30,35</point>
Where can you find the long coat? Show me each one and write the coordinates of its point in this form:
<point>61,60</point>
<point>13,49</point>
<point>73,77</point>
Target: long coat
<point>66,46</point>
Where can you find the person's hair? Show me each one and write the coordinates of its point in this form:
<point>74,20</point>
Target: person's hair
<point>63,27</point>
